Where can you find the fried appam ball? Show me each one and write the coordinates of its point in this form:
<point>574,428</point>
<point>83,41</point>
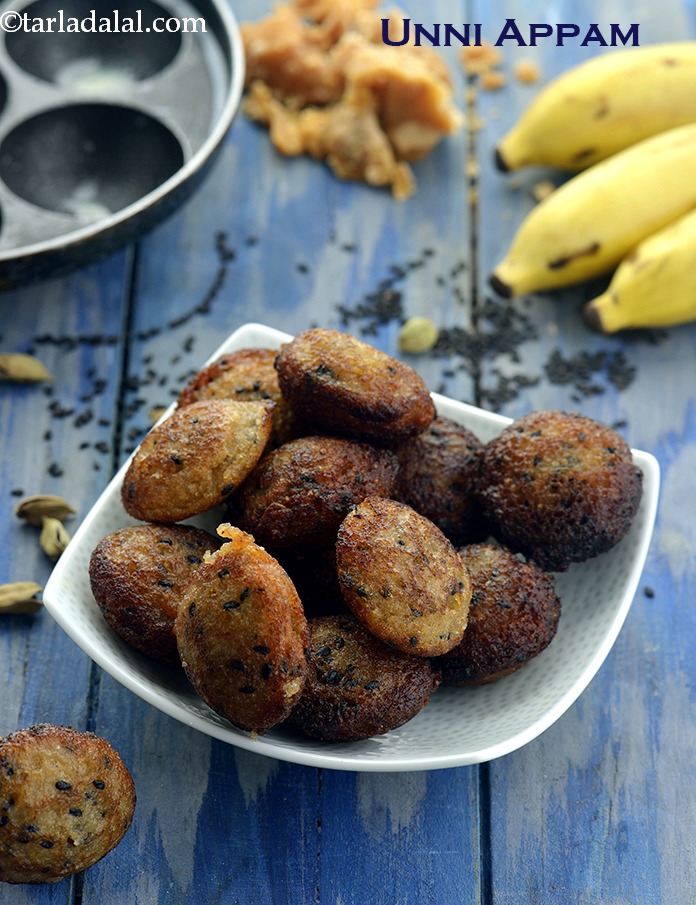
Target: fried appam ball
<point>513,616</point>
<point>437,477</point>
<point>402,578</point>
<point>559,487</point>
<point>195,459</point>
<point>242,634</point>
<point>341,385</point>
<point>138,575</point>
<point>356,686</point>
<point>66,800</point>
<point>298,494</point>
<point>244,375</point>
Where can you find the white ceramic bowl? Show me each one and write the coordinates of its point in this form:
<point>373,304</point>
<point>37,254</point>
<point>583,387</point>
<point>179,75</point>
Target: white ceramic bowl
<point>459,726</point>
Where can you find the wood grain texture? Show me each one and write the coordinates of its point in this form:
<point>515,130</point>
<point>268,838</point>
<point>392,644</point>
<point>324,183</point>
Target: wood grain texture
<point>50,434</point>
<point>601,807</point>
<point>587,812</point>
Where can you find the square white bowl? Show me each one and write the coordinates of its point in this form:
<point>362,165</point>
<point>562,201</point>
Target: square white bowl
<point>459,726</point>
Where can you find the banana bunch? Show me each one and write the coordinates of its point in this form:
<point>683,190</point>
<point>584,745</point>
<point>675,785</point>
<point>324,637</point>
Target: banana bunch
<point>584,228</point>
<point>654,285</point>
<point>603,106</point>
<point>628,210</point>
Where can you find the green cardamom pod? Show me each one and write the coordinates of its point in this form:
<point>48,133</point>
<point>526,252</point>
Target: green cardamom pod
<point>17,367</point>
<point>54,538</point>
<point>33,509</point>
<point>19,597</point>
<point>418,335</point>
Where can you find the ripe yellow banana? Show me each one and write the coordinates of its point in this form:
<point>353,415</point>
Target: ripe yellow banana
<point>604,105</point>
<point>585,227</point>
<point>655,284</point>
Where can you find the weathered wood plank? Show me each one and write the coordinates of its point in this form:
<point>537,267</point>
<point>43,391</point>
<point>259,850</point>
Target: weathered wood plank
<point>589,812</point>
<point>52,438</point>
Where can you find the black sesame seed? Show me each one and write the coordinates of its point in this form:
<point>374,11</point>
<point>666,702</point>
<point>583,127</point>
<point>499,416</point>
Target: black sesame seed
<point>231,605</point>
<point>84,418</point>
<point>223,573</point>
<point>4,820</point>
<point>99,784</point>
<point>63,785</point>
<point>372,685</point>
<point>247,689</point>
<point>75,812</point>
<point>165,583</point>
<point>227,489</point>
<point>195,560</point>
<point>192,609</point>
<point>332,677</point>
<point>266,670</point>
<point>46,843</point>
<point>262,649</point>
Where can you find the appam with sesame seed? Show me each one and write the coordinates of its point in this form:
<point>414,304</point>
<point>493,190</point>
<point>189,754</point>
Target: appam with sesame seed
<point>341,385</point>
<point>358,687</point>
<point>244,375</point>
<point>195,459</point>
<point>437,477</point>
<point>66,800</point>
<point>242,634</point>
<point>513,616</point>
<point>298,494</point>
<point>138,575</point>
<point>559,487</point>
<point>402,578</point>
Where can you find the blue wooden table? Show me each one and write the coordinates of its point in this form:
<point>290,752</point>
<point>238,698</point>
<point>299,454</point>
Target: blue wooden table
<point>602,807</point>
